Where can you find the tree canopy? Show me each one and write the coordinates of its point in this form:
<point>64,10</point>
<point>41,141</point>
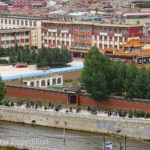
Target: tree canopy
<point>2,89</point>
<point>45,57</point>
<point>102,77</point>
<point>93,75</point>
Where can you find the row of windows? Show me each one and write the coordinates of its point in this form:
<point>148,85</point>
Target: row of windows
<point>54,42</point>
<point>18,22</point>
<point>56,34</point>
<point>13,34</point>
<point>66,27</point>
<point>13,41</point>
<point>106,38</point>
<point>82,45</point>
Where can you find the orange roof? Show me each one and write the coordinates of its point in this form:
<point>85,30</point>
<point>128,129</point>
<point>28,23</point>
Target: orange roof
<point>133,43</point>
<point>120,50</point>
<point>145,50</point>
<point>143,54</point>
<point>111,49</point>
<point>125,54</point>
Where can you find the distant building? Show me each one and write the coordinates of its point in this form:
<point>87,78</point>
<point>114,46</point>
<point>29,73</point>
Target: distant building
<point>11,37</point>
<point>79,37</point>
<point>19,21</point>
<point>3,5</point>
<point>131,52</point>
<point>28,3</point>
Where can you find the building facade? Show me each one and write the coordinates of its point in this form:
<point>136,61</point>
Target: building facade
<point>11,37</point>
<point>17,21</point>
<point>79,37</point>
<point>28,3</point>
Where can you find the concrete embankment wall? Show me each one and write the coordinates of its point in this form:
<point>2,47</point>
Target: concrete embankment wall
<point>84,100</point>
<point>138,128</point>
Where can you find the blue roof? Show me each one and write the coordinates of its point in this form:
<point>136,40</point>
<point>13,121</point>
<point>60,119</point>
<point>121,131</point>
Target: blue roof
<point>43,72</point>
<point>92,18</point>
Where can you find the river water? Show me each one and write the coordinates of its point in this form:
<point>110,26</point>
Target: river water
<point>51,138</point>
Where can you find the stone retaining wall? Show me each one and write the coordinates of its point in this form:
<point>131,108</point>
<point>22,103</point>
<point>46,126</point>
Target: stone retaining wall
<point>137,128</point>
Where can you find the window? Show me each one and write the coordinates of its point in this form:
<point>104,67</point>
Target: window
<point>67,43</point>
<point>1,20</point>
<point>30,23</point>
<point>116,39</point>
<point>54,34</point>
<point>100,38</point>
<point>105,38</point>
<point>5,21</point>
<point>100,29</point>
<point>125,40</point>
<point>27,40</point>
<point>9,21</point>
<point>22,22</point>
<point>105,46</point>
<point>126,31</point>
<point>67,27</point>
<point>110,38</point>
<point>115,30</point>
<point>7,42</point>
<point>49,33</point>
<point>58,34</point>
<point>45,33</point>
<point>62,35</point>
<point>12,41</point>
<point>67,35</point>
<point>58,27</point>
<point>54,81</point>
<point>13,21</point>
<point>34,23</point>
<point>59,81</point>
<point>95,37</point>
<point>120,39</point>
<point>45,41</point>
<point>62,27</point>
<point>17,22</point>
<point>100,45</point>
<point>26,33</point>
<point>26,23</point>
<point>110,30</point>
<point>105,29</point>
<point>120,30</point>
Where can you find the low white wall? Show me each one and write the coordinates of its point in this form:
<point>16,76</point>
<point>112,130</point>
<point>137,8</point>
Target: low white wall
<point>138,128</point>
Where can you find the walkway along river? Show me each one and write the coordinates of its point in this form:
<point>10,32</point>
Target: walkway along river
<point>46,137</point>
<point>38,137</point>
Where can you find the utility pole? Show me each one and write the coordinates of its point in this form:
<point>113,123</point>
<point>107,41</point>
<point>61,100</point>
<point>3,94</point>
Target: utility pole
<point>120,146</point>
<point>64,134</point>
<point>104,142</point>
<point>125,142</point>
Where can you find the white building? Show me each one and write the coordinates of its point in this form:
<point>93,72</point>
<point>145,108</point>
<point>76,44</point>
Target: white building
<point>17,21</point>
<point>44,82</point>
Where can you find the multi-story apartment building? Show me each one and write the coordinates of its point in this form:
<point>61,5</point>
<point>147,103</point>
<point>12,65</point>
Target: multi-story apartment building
<point>79,37</point>
<point>11,37</point>
<point>28,3</point>
<point>18,21</point>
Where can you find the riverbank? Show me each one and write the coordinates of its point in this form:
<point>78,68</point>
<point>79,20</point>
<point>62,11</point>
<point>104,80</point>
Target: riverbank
<point>131,127</point>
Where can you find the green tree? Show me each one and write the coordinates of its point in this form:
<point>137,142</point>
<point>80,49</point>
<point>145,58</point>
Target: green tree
<point>148,84</point>
<point>93,78</point>
<point>119,76</point>
<point>2,89</point>
<point>130,79</point>
<point>140,84</point>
